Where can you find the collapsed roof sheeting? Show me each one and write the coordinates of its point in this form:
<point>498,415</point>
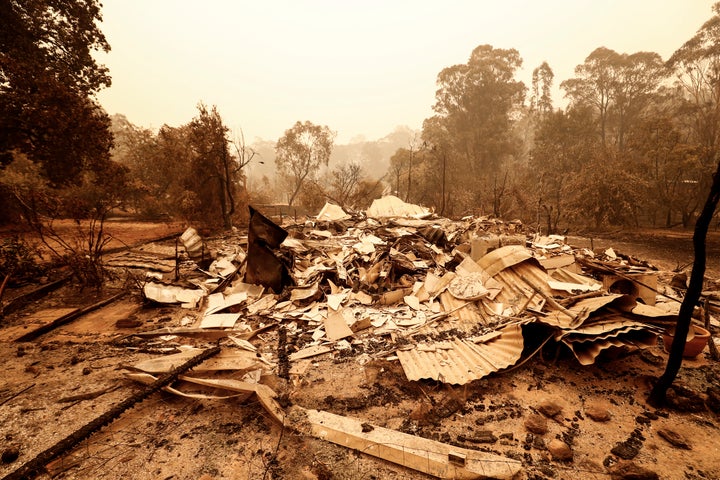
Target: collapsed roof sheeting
<point>412,287</point>
<point>263,267</point>
<point>510,268</point>
<point>392,206</point>
<point>461,361</point>
<point>587,351</point>
<point>583,282</point>
<point>331,212</point>
<point>583,309</point>
<point>505,257</point>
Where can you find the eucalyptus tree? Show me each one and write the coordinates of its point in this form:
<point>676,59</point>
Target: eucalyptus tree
<point>618,86</point>
<point>661,148</point>
<point>563,142</point>
<point>541,97</point>
<point>300,153</point>
<point>215,170</point>
<point>476,102</point>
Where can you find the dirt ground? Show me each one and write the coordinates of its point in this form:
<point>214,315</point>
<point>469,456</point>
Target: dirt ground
<point>58,382</point>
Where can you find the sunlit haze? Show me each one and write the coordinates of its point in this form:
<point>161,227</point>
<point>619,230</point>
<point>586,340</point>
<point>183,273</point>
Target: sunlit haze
<point>361,68</point>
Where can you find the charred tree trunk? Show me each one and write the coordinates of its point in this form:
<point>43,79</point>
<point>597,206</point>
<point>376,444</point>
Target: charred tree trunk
<point>223,203</point>
<point>657,395</point>
<point>228,190</point>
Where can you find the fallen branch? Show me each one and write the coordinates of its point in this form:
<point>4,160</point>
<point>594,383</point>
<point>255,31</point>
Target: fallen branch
<point>87,396</point>
<point>550,300</point>
<point>19,392</point>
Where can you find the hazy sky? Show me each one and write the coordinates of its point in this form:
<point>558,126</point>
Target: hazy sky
<point>359,67</point>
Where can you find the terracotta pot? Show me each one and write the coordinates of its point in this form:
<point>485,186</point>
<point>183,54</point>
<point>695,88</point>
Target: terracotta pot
<point>694,346</point>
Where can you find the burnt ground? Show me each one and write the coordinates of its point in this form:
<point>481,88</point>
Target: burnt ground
<point>58,382</point>
<point>668,249</point>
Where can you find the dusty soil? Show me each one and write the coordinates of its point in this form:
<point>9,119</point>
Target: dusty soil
<point>120,231</point>
<point>667,249</point>
<point>171,437</point>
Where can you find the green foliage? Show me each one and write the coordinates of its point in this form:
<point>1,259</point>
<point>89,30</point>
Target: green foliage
<point>541,99</point>
<point>660,153</point>
<point>365,192</point>
<point>697,67</point>
<point>154,167</point>
<point>186,172</point>
<point>618,87</point>
<point>312,197</point>
<point>603,192</point>
<point>262,192</point>
<point>346,185</point>
<point>564,143</point>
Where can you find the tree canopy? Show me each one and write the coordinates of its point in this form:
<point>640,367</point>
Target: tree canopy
<point>48,79</point>
<point>301,151</point>
<point>618,86</point>
<point>193,171</point>
<point>475,104</point>
<point>697,64</point>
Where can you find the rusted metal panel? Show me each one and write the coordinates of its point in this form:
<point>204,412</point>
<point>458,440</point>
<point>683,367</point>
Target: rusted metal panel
<point>263,267</point>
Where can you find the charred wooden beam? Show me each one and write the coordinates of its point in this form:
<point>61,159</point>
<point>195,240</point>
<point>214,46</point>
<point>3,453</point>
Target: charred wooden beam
<point>35,294</point>
<point>32,335</point>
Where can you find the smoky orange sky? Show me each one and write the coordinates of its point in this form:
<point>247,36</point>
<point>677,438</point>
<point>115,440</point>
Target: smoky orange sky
<point>360,67</point>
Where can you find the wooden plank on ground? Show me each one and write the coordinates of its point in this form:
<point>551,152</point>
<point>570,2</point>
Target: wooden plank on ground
<point>421,454</point>
<point>39,292</point>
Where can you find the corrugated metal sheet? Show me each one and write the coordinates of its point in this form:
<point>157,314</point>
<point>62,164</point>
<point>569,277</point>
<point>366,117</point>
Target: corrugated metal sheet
<point>515,291</point>
<point>505,257</point>
<point>461,361</point>
<point>656,313</point>
<point>468,317</point>
<point>606,328</point>
<point>585,308</point>
<point>586,352</point>
<point>565,275</point>
<point>588,327</point>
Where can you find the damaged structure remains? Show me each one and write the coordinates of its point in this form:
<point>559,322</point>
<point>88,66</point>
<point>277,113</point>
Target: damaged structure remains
<point>449,302</point>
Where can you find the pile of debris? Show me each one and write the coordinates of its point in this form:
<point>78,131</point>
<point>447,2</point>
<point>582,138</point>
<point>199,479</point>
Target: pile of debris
<point>451,301</point>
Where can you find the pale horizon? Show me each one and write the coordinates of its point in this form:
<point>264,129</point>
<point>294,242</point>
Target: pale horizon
<point>362,69</point>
